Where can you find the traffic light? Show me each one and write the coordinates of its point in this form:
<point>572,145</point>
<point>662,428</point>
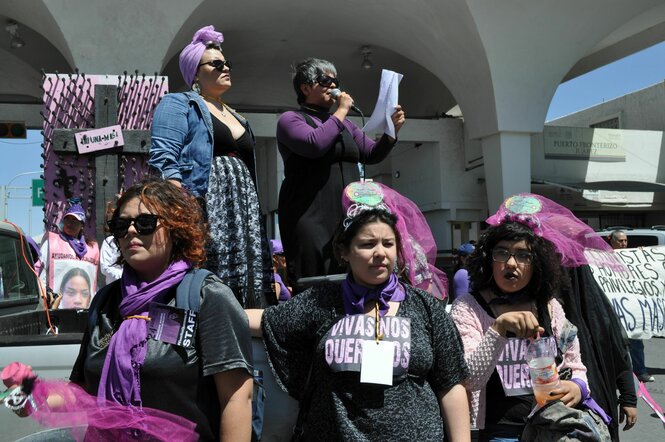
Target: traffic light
<point>12,129</point>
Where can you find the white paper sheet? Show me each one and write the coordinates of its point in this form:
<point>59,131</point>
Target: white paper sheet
<point>380,120</point>
<point>377,362</point>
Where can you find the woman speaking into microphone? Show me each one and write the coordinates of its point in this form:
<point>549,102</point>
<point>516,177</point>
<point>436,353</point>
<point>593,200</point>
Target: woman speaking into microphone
<point>321,151</point>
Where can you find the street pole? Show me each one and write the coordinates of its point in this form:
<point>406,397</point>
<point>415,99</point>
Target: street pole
<point>4,190</point>
<point>3,197</point>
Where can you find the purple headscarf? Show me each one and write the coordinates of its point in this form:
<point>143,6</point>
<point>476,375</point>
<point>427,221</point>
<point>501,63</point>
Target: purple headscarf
<point>120,380</point>
<point>191,55</point>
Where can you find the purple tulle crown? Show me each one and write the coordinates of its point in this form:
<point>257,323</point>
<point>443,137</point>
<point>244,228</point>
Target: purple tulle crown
<point>418,246</point>
<point>553,222</point>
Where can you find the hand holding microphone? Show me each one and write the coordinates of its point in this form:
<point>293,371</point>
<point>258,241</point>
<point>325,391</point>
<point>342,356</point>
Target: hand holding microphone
<point>343,99</point>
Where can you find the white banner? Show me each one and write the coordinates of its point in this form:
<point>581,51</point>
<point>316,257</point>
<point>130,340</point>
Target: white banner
<point>638,292</point>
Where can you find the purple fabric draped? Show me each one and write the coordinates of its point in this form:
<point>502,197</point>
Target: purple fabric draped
<point>103,420</point>
<point>77,244</point>
<point>120,380</point>
<point>192,53</point>
<point>355,296</point>
<point>589,402</point>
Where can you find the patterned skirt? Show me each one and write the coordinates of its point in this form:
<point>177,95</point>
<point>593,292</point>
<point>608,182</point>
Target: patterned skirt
<point>238,248</point>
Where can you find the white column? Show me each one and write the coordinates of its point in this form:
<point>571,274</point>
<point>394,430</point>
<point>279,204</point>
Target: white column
<point>507,159</point>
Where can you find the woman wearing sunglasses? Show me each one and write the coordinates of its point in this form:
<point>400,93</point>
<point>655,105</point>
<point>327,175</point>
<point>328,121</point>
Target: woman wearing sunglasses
<point>206,378</point>
<point>516,273</point>
<point>321,151</point>
<point>200,143</point>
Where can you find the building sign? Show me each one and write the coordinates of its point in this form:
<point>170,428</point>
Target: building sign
<point>637,292</point>
<point>99,139</point>
<point>581,143</point>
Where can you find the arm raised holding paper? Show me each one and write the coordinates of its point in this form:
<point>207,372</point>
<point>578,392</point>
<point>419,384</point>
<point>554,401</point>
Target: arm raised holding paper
<point>321,151</point>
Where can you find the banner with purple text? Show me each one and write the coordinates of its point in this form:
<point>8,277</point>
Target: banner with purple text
<point>637,292</point>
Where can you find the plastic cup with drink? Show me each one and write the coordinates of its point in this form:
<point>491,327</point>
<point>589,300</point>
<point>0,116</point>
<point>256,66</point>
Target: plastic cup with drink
<point>540,356</point>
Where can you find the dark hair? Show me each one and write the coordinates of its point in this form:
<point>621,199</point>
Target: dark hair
<point>343,237</point>
<point>178,211</point>
<point>307,71</point>
<point>75,271</point>
<point>547,277</point>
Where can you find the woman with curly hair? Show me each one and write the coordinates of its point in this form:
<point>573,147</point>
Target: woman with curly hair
<point>516,276</point>
<point>207,379</point>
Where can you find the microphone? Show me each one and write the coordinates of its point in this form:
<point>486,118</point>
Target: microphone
<point>335,93</point>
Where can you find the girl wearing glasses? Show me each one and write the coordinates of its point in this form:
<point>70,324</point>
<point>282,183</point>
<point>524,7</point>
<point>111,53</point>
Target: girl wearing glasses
<point>321,151</point>
<point>200,143</point>
<point>516,273</point>
<point>204,377</point>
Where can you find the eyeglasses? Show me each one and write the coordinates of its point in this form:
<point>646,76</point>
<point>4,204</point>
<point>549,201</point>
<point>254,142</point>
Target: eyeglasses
<point>218,64</point>
<point>522,257</point>
<point>145,224</point>
<point>327,80</point>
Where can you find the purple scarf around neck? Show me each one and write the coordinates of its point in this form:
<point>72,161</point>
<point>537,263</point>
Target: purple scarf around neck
<point>77,244</point>
<point>120,380</point>
<point>355,296</point>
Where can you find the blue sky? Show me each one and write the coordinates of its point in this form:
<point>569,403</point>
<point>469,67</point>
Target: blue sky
<point>627,75</point>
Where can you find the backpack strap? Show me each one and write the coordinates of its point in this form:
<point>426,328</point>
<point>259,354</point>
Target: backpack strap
<point>188,293</point>
<point>98,301</point>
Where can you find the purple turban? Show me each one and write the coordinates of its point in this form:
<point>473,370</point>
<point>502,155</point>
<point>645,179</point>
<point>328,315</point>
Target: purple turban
<point>191,55</point>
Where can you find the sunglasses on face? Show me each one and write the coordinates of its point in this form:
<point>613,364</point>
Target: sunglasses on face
<point>522,257</point>
<point>327,81</point>
<point>218,64</point>
<point>145,224</point>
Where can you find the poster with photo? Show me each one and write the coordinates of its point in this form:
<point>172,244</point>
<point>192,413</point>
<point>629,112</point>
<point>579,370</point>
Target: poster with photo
<point>76,281</point>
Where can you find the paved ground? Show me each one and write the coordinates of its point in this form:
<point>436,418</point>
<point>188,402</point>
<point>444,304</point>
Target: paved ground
<point>649,427</point>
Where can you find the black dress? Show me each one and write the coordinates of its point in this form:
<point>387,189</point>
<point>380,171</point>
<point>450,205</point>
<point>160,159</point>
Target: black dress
<point>310,206</point>
<point>237,251</point>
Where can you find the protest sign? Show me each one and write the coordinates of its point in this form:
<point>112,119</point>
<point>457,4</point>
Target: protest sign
<point>637,291</point>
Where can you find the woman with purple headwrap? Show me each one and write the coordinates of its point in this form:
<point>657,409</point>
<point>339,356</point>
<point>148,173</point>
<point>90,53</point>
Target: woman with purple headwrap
<point>200,143</point>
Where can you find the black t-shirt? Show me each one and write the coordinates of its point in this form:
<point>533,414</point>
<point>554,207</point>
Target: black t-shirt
<point>176,379</point>
<point>342,408</point>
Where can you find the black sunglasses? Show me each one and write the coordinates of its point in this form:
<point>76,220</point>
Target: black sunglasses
<point>327,81</point>
<point>218,64</point>
<point>145,224</point>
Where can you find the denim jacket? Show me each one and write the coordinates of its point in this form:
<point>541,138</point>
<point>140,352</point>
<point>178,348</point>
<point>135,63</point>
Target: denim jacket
<point>182,142</point>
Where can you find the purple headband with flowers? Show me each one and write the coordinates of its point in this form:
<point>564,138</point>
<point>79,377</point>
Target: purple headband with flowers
<point>190,57</point>
<point>553,222</point>
<point>418,246</point>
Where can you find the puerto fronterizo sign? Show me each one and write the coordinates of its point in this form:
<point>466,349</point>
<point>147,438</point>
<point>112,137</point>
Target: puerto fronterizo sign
<point>582,143</point>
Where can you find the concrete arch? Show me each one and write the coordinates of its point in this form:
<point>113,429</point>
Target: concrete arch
<point>37,15</point>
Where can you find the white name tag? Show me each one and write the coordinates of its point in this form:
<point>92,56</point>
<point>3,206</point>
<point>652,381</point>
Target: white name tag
<point>377,362</point>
